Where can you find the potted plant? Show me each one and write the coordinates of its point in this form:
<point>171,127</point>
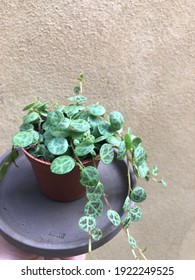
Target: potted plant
<point>66,143</point>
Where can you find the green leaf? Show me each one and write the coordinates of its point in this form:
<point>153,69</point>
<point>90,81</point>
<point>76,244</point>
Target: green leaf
<point>136,141</point>
<point>42,106</point>
<point>164,184</point>
<point>104,128</point>
<point>128,141</point>
<point>113,140</point>
<point>96,110</point>
<point>63,124</point>
<point>79,125</point>
<point>47,126</point>
<point>135,213</point>
<point>84,148</point>
<point>73,109</point>
<point>80,78</point>
<point>78,99</point>
<point>143,170</point>
<point>126,203</point>
<point>122,151</point>
<point>155,170</point>
<point>29,106</point>
<point>96,234</point>
<point>138,194</point>
<point>89,176</point>
<point>116,120</point>
<point>139,155</point>
<point>87,223</point>
<point>62,165</point>
<point>31,117</point>
<point>126,221</point>
<point>22,139</point>
<point>77,90</point>
<point>114,217</point>
<point>100,139</point>
<point>35,136</point>
<point>58,146</point>
<point>106,153</point>
<point>56,132</point>
<point>3,170</point>
<point>47,137</point>
<point>132,242</point>
<point>26,127</point>
<point>8,161</point>
<point>54,117</point>
<point>93,193</point>
<point>89,138</point>
<point>94,208</point>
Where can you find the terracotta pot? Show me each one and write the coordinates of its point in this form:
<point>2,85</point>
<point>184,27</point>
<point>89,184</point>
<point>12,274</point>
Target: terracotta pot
<point>64,187</point>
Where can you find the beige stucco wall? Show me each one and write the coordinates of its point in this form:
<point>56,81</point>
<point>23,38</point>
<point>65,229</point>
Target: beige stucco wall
<point>138,57</point>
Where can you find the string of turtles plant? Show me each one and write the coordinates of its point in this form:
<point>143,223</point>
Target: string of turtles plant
<point>65,135</point>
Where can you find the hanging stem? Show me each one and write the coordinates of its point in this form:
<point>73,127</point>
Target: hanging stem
<point>89,245</point>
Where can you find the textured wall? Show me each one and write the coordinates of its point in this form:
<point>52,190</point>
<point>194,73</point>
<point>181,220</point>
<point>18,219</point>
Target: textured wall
<point>138,57</point>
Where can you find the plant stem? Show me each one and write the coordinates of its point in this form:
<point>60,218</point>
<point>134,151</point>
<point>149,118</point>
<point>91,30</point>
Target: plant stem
<point>128,176</point>
<point>106,200</point>
<point>79,162</point>
<point>89,245</point>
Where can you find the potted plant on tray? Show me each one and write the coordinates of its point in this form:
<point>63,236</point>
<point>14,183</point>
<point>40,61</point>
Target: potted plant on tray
<point>65,143</point>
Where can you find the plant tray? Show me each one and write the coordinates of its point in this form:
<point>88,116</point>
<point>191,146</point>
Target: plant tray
<point>31,221</point>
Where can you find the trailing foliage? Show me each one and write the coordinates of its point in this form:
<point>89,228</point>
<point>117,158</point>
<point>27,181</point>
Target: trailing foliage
<point>66,134</point>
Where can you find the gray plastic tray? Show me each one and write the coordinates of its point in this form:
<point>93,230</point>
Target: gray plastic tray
<point>33,222</point>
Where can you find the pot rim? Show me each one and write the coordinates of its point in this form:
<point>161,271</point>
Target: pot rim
<point>47,162</point>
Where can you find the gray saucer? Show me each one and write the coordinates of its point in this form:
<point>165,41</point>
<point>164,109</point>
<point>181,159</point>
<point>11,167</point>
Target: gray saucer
<point>31,221</point>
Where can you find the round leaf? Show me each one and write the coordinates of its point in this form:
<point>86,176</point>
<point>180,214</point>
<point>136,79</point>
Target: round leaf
<point>54,117</point>
<point>35,136</point>
<point>136,141</point>
<point>78,99</point>
<point>106,153</point>
<point>95,192</point>
<point>104,128</point>
<point>26,127</point>
<point>31,117</point>
<point>62,165</point>
<point>126,203</point>
<point>63,124</point>
<point>22,139</point>
<point>155,170</point>
<point>116,120</point>
<point>87,223</point>
<point>114,217</point>
<point>73,109</point>
<point>126,221</point>
<point>138,194</point>
<point>96,234</point>
<point>121,151</point>
<point>94,208</point>
<point>143,170</point>
<point>96,110</point>
<point>135,213</point>
<point>79,125</point>
<point>113,140</point>
<point>139,155</point>
<point>89,176</point>
<point>84,148</point>
<point>132,242</point>
<point>58,146</point>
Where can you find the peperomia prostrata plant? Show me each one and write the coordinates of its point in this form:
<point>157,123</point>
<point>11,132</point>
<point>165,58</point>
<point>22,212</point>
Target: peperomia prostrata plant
<point>65,135</point>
